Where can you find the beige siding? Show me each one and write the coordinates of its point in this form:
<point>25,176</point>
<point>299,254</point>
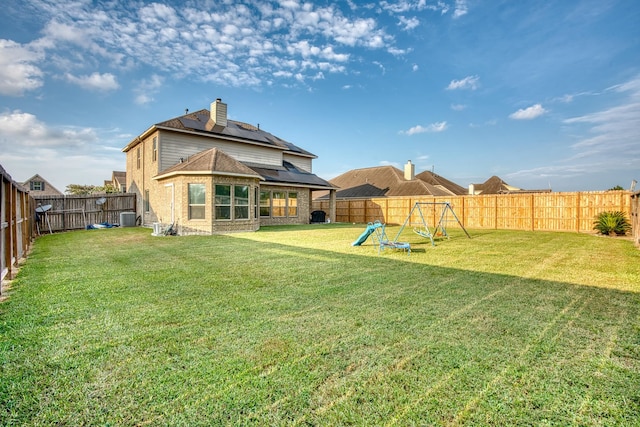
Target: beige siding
<point>303,163</point>
<point>176,145</point>
<point>139,179</point>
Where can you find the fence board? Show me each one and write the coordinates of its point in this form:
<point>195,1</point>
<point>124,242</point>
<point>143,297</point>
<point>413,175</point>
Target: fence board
<point>635,217</point>
<point>76,212</point>
<point>15,224</point>
<point>531,211</point>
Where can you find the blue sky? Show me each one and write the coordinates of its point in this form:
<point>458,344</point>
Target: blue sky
<point>542,94</point>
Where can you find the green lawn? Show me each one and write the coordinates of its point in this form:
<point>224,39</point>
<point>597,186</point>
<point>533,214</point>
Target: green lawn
<point>294,326</point>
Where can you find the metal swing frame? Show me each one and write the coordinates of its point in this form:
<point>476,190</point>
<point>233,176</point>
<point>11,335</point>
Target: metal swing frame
<point>427,233</point>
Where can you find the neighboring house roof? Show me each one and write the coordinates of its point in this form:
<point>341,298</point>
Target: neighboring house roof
<point>439,181</point>
<point>361,191</point>
<point>211,161</point>
<point>495,185</point>
<point>387,181</point>
<point>119,177</point>
<point>201,123</point>
<point>48,190</point>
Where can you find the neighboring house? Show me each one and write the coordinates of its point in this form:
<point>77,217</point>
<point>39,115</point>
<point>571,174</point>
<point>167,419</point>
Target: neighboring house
<point>207,174</point>
<point>495,185</point>
<point>38,186</point>
<point>388,181</point>
<point>118,181</point>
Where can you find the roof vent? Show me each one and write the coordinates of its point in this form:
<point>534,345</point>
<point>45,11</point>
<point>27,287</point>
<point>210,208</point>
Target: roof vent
<point>219,113</point>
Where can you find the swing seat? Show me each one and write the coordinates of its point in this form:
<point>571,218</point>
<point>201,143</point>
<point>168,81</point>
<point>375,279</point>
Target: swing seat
<point>422,233</point>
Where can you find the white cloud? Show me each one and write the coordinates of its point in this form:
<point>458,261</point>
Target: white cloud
<point>458,107</point>
<point>96,81</point>
<point>24,129</point>
<point>528,113</point>
<point>147,88</point>
<point>469,82</point>
<point>18,72</point>
<point>408,23</point>
<point>614,130</point>
<point>461,8</point>
<point>414,67</point>
<point>432,128</point>
<point>210,44</point>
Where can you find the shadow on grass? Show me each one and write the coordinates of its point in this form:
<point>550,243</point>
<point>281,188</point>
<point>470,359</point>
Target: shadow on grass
<point>125,328</point>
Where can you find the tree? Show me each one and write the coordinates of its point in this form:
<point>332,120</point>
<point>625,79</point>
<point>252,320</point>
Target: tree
<point>83,190</point>
<point>617,187</point>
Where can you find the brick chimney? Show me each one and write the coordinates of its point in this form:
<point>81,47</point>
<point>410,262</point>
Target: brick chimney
<point>219,113</point>
<point>409,171</point>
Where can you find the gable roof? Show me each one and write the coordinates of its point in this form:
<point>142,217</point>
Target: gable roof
<point>388,180</point>
<point>495,185</point>
<point>212,161</point>
<point>439,181</point>
<point>200,122</point>
<point>119,176</point>
<point>49,189</point>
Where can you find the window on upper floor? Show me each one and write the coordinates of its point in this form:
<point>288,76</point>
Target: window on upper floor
<point>36,185</point>
<point>155,148</point>
<point>138,158</point>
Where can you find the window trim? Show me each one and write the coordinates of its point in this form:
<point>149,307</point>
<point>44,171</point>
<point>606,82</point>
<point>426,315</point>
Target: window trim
<point>154,156</point>
<point>247,206</point>
<point>217,205</point>
<point>145,201</point>
<point>197,205</point>
<point>36,185</point>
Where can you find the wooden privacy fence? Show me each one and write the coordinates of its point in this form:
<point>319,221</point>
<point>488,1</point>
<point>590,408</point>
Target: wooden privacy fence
<point>635,217</point>
<point>76,212</point>
<point>15,224</point>
<point>531,211</point>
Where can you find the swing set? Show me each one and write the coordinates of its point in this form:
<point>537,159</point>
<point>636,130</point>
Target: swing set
<point>422,228</point>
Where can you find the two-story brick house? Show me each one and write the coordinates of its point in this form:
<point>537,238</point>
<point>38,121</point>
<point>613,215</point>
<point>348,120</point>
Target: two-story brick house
<point>207,174</point>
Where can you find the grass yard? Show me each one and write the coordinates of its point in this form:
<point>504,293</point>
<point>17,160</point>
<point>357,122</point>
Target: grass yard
<point>294,326</point>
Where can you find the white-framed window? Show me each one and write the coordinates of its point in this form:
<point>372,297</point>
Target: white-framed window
<point>147,205</point>
<point>197,197</point>
<point>223,201</point>
<point>138,158</point>
<point>240,202</point>
<point>265,203</point>
<point>36,185</point>
<point>292,204</point>
<point>278,204</point>
<point>155,148</point>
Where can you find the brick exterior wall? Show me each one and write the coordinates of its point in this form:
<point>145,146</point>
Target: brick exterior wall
<point>140,179</point>
<point>304,205</point>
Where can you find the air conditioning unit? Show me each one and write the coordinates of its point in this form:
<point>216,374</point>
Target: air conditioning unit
<point>157,229</point>
<point>127,219</point>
